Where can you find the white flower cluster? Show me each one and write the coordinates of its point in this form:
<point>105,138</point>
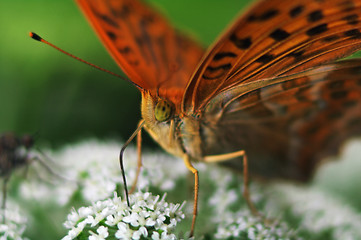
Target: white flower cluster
<point>14,225</point>
<point>148,217</point>
<point>319,212</point>
<point>92,167</point>
<point>242,225</point>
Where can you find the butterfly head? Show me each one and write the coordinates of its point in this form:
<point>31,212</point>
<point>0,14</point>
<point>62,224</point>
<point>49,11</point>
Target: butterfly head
<point>161,111</point>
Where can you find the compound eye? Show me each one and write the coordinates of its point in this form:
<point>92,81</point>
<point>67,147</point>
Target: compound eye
<point>163,111</point>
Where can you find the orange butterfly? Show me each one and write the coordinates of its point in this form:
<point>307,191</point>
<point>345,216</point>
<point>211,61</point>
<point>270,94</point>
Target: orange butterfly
<point>269,86</point>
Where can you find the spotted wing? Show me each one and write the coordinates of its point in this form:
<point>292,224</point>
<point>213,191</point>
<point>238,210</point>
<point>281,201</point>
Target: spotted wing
<point>142,42</point>
<point>287,125</point>
<point>276,38</point>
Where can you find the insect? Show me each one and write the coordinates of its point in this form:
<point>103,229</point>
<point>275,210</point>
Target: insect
<point>270,86</point>
<point>13,154</point>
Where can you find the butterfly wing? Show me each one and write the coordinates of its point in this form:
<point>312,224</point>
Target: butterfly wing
<point>142,42</point>
<point>275,38</point>
<point>287,125</point>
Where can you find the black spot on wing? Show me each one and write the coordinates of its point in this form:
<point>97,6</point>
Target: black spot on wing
<point>219,71</point>
<point>317,30</point>
<point>223,67</point>
<point>222,55</point>
<point>143,48</point>
<point>315,16</point>
<point>297,54</point>
<point>267,15</point>
<point>279,34</point>
<point>241,43</point>
<point>111,35</point>
<point>294,12</point>
<point>266,58</point>
<point>351,19</point>
<point>146,43</point>
<point>122,12</point>
<point>354,33</point>
<point>330,38</point>
<point>107,20</point>
<point>125,50</point>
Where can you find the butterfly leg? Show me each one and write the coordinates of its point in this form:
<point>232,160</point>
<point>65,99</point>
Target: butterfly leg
<point>228,156</point>
<point>196,187</point>
<point>246,193</point>
<point>139,162</point>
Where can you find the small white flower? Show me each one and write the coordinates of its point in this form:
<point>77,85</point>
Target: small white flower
<point>132,219</point>
<point>73,233</point>
<point>124,232</point>
<point>78,229</point>
<point>102,234</point>
<point>139,233</point>
<point>73,219</point>
<point>163,236</point>
<point>84,211</point>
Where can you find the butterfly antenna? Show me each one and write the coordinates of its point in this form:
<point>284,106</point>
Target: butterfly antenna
<point>40,39</point>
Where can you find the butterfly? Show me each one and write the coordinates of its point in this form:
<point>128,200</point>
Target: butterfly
<point>270,86</point>
<point>13,154</point>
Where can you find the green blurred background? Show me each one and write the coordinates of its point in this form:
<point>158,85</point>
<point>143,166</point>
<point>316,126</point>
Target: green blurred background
<point>43,92</point>
<point>46,93</point>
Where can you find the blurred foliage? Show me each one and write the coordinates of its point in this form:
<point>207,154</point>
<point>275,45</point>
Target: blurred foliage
<point>61,100</point>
